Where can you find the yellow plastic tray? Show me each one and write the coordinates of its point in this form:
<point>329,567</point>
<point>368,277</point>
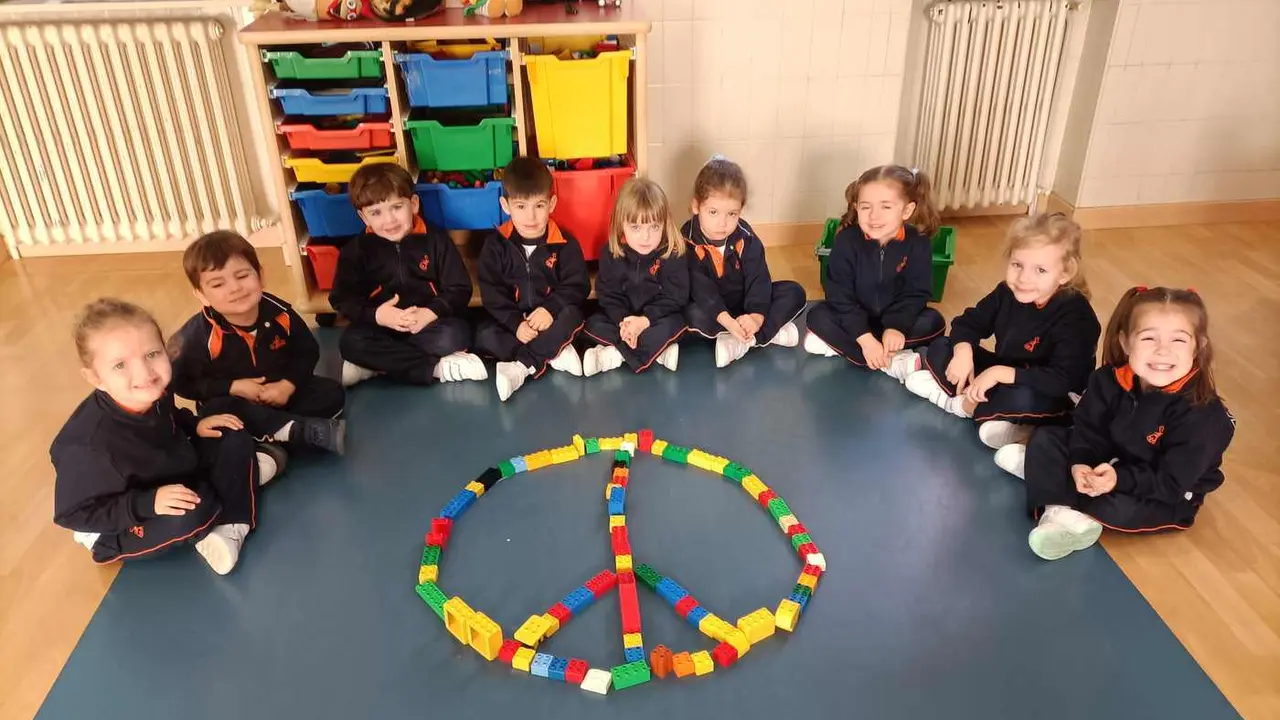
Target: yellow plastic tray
<point>318,171</point>
<point>580,106</point>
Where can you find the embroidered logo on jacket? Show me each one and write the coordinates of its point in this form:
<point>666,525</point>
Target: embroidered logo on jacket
<point>655,267</point>
<point>1154,437</point>
<point>1031,346</point>
<point>902,265</point>
<point>551,261</point>
<point>277,343</point>
<point>426,262</point>
<point>137,531</point>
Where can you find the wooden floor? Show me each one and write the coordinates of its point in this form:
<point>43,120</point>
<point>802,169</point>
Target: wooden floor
<point>1217,586</point>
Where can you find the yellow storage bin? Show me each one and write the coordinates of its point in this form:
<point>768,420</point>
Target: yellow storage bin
<point>580,106</point>
<point>555,44</point>
<point>317,171</point>
<point>455,49</point>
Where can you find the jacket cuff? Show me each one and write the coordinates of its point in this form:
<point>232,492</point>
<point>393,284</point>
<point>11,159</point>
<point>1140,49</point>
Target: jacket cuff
<point>142,506</point>
<point>1125,480</point>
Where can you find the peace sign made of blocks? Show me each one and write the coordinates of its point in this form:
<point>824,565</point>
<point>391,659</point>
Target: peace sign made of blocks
<point>477,630</point>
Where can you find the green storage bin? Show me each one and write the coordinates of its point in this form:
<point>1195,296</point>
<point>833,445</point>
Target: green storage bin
<point>943,246</point>
<point>484,146</point>
<point>293,65</point>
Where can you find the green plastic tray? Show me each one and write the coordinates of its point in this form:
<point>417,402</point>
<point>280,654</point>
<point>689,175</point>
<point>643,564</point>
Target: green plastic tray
<point>483,146</point>
<point>293,65</point>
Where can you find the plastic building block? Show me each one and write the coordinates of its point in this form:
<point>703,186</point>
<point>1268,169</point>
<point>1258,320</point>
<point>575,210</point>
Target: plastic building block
<point>696,615</point>
<point>508,651</point>
<point>808,581</point>
<point>778,507</point>
<point>541,665</point>
<point>713,627</point>
<point>576,671</point>
<point>538,460</point>
<point>622,456</point>
<point>432,596</point>
<point>698,459</point>
<point>457,615</point>
<point>633,438</point>
<point>486,635</point>
<point>437,539</point>
<point>591,446</point>
<point>735,472</point>
<point>561,613</point>
<point>786,521</point>
<point>671,591</point>
<point>660,661</point>
<point>796,529</point>
<point>682,664</point>
<point>635,654</point>
<point>685,605</point>
<point>629,675</point>
<point>788,615</point>
<point>489,478</point>
<point>738,640</point>
<point>553,625</point>
<point>800,539</point>
<point>628,447</point>
<point>603,582</point>
<point>764,498</point>
<point>532,631</point>
<point>519,465</point>
<point>617,521</point>
<point>702,663</point>
<point>597,681</point>
<point>632,640</point>
<point>659,448</point>
<point>753,486</point>
<point>431,555</point>
<point>620,476</point>
<point>757,625</point>
<point>675,453</point>
<point>428,573</point>
<point>813,570</point>
<point>622,563</point>
<point>644,442</point>
<point>800,599</point>
<point>618,538</point>
<point>523,659</point>
<point>717,464</point>
<point>618,501</point>
<point>816,559</point>
<point>506,468</point>
<point>610,443</point>
<point>578,600</point>
<point>441,526</point>
<point>725,655</point>
<point>648,575</point>
<point>807,549</point>
<point>579,445</point>
<point>630,606</point>
<point>608,490</point>
<point>557,669</point>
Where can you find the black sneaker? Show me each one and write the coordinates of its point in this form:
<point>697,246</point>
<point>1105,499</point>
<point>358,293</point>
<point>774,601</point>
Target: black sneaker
<point>271,461</point>
<point>327,435</point>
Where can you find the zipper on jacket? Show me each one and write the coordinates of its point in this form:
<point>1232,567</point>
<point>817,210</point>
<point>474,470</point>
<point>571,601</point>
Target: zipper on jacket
<point>399,267</point>
<point>528,276</point>
<point>880,280</point>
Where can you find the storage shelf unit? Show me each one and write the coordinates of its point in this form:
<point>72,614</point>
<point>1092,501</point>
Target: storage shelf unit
<point>274,41</point>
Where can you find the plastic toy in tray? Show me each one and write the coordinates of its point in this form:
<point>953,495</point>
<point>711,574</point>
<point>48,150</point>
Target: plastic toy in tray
<point>613,161</point>
<point>463,178</point>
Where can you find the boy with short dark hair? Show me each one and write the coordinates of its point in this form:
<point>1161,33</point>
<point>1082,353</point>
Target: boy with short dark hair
<point>248,354</point>
<point>403,287</point>
<point>533,283</point>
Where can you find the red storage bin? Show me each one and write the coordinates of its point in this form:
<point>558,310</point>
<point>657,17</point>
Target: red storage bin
<point>584,203</point>
<point>324,263</point>
<point>365,136</point>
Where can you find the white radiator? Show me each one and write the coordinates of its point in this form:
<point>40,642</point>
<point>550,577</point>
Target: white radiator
<point>118,137</point>
<point>989,81</point>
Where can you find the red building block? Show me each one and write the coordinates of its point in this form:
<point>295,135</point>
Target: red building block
<point>621,545</point>
<point>630,604</point>
<point>508,651</point>
<point>435,538</point>
<point>765,497</point>
<point>645,443</point>
<point>806,550</point>
<point>725,655</point>
<point>441,525</point>
<point>602,583</point>
<point>796,529</point>
<point>576,671</point>
<point>686,606</point>
<point>626,577</point>
<point>620,476</point>
<point>660,661</point>
<point>560,612</point>
<point>813,570</point>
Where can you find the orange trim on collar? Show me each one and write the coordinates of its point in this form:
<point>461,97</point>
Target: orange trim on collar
<point>902,233</point>
<point>554,236</point>
<point>1125,377</point>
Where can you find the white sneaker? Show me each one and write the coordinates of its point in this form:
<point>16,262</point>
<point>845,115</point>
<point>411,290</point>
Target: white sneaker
<point>567,361</point>
<point>728,349</point>
<point>86,539</point>
<point>670,358</point>
<point>1012,458</point>
<point>591,360</point>
<point>1063,531</point>
<point>460,366</point>
<point>352,374</point>
<point>608,358</point>
<point>815,345</point>
<point>221,547</point>
<point>272,460</point>
<point>902,364</point>
<point>510,376</point>
<point>788,336</point>
<point>995,434</point>
<point>921,383</point>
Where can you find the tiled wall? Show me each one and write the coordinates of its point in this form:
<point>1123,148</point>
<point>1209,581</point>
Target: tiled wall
<point>803,93</point>
<point>1190,105</point>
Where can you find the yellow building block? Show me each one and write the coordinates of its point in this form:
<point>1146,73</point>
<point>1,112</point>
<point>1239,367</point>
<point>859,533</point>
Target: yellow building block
<point>579,445</point>
<point>622,563</point>
<point>475,487</point>
<point>565,454</point>
<point>428,573</point>
<point>806,580</point>
<point>698,459</point>
<point>614,521</point>
<point>788,615</point>
<point>457,616</point>
<point>608,488</point>
<point>532,631</point>
<point>537,460</point>
<point>757,625</point>
<point>786,521</point>
<point>657,447</point>
<point>552,624</point>
<point>738,640</point>
<point>753,486</point>
<point>717,464</point>
<point>702,663</point>
<point>523,659</point>
<point>632,640</point>
<point>486,636</point>
<point>710,625</point>
<point>611,443</point>
<point>633,438</point>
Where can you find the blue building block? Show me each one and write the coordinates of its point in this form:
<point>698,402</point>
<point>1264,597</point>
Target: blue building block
<point>634,654</point>
<point>578,600</point>
<point>800,599</point>
<point>458,504</point>
<point>541,665</point>
<point>671,591</point>
<point>618,501</point>
<point>556,671</point>
<point>695,615</point>
<point>519,464</point>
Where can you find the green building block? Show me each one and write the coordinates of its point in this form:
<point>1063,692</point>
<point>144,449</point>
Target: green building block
<point>799,539</point>
<point>675,453</point>
<point>648,576</point>
<point>735,472</point>
<point>622,456</point>
<point>630,675</point>
<point>432,596</point>
<point>804,590</point>
<point>507,469</point>
<point>431,555</point>
<point>592,445</point>
<point>778,507</point>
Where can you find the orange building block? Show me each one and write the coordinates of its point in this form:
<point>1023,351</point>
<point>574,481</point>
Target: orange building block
<point>682,664</point>
<point>660,661</point>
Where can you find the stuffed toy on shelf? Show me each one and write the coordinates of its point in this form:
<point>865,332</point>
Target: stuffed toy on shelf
<point>385,10</point>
